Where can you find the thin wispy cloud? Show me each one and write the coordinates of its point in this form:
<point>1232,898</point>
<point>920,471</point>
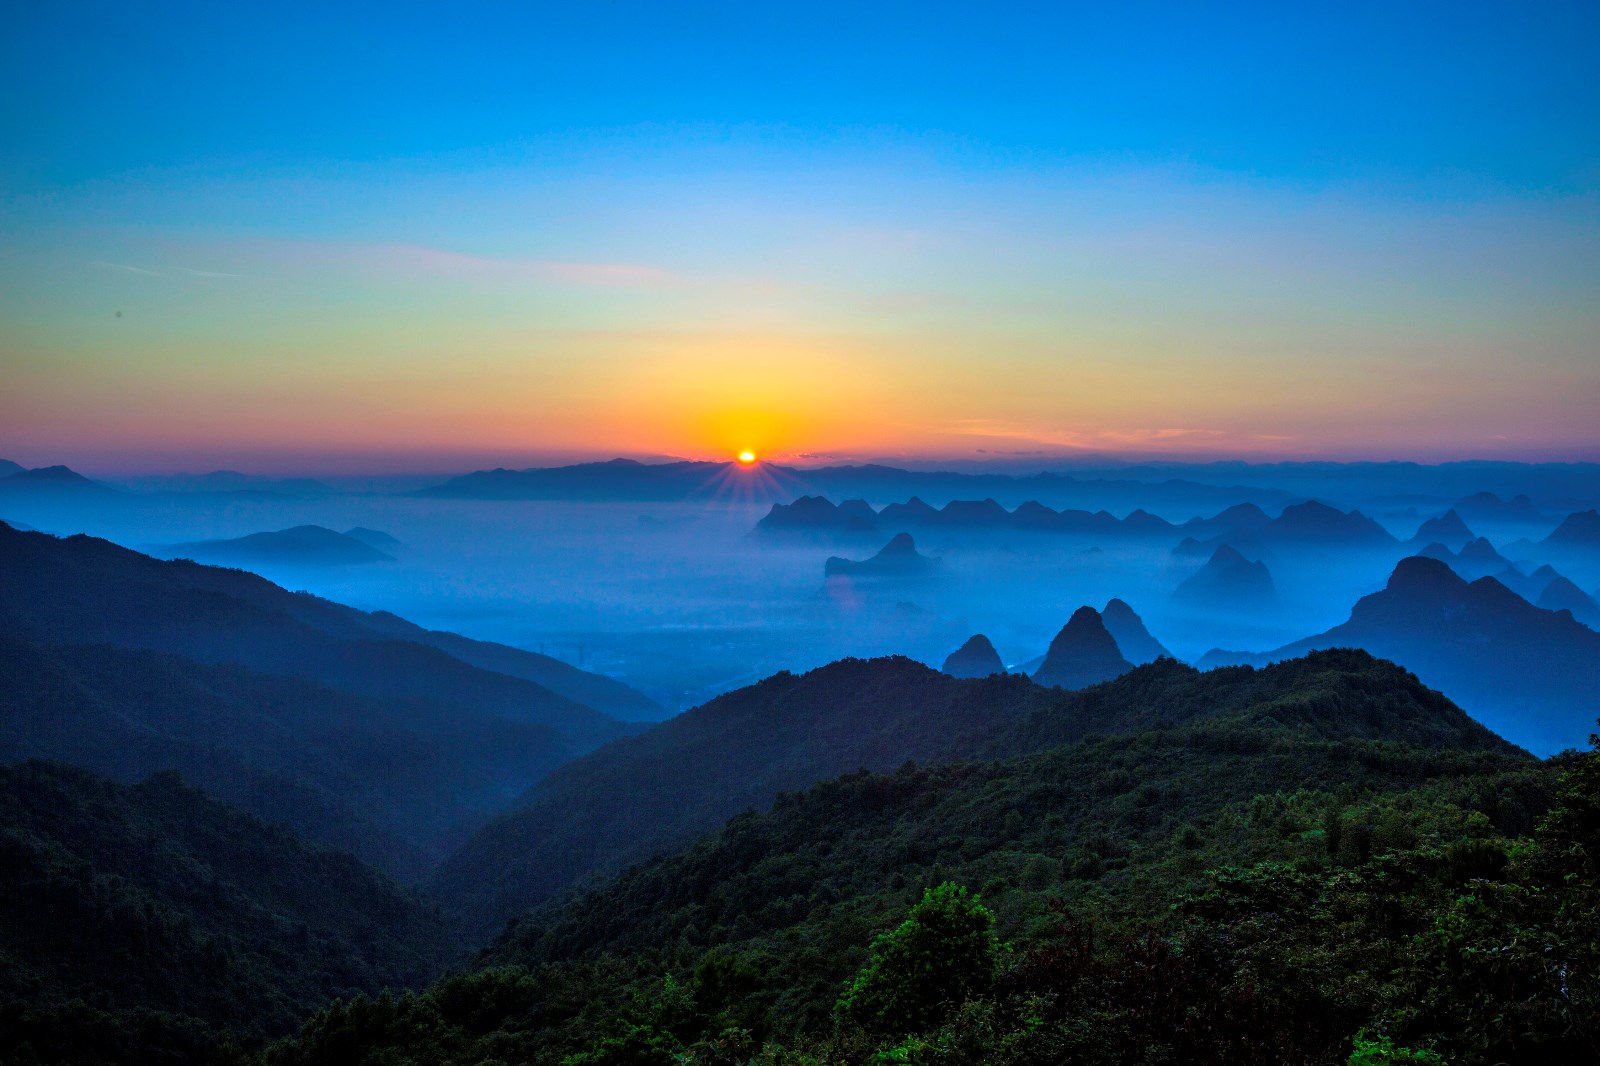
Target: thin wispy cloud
<point>188,272</point>
<point>207,273</point>
<point>561,271</point>
<point>127,268</point>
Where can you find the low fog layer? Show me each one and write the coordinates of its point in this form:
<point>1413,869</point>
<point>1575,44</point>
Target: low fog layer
<point>683,602</point>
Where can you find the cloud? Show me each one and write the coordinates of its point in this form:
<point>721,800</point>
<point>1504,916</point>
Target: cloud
<point>127,269</point>
<point>207,273</point>
<point>188,272</point>
<point>560,271</point>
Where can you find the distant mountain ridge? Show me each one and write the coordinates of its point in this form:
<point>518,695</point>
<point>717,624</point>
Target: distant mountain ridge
<point>1477,558</point>
<point>1448,529</point>
<point>1580,529</point>
<point>897,559</point>
<point>99,586</point>
<point>1531,675</point>
<point>299,545</point>
<point>1489,507</point>
<point>361,730</point>
<point>771,483</point>
<point>1310,523</point>
<point>52,481</point>
<point>1228,582</point>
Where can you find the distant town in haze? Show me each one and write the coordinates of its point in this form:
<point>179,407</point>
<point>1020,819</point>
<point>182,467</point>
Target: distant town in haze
<point>699,535</point>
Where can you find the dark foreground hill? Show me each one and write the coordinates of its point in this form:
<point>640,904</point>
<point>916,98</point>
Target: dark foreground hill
<point>1335,720</point>
<point>82,590</point>
<point>334,721</point>
<point>1279,865</point>
<point>148,923</point>
<point>397,782</point>
<point>641,796</point>
<point>636,797</point>
<point>1531,675</point>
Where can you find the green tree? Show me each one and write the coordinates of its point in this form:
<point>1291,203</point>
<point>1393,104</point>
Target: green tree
<point>942,954</point>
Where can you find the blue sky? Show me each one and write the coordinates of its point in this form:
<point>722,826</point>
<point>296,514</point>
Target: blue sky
<point>1504,93</point>
<point>1121,201</point>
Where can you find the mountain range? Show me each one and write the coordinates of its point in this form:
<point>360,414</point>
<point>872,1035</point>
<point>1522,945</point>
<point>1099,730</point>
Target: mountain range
<point>1477,558</point>
<point>1307,524</point>
<point>360,730</point>
<point>626,479</point>
<point>1228,582</point>
<point>897,559</point>
<point>296,546</point>
<point>1581,529</point>
<point>1448,529</point>
<point>1530,674</point>
<point>51,481</point>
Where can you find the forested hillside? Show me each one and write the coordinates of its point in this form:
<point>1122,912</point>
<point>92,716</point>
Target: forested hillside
<point>147,923</point>
<point>359,730</point>
<point>1319,860</point>
<point>634,798</point>
<point>396,782</point>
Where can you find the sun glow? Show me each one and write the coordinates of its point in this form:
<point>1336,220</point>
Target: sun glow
<point>747,457</point>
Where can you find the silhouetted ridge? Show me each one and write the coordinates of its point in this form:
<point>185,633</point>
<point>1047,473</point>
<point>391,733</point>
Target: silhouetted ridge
<point>1084,653</point>
<point>817,514</point>
<point>1489,507</point>
<point>898,558</point>
<point>375,538</point>
<point>357,728</point>
<point>1133,639</point>
<point>1228,581</point>
<point>1447,529</point>
<point>975,658</point>
<point>633,798</point>
<point>1578,530</point>
<point>1562,595</point>
<point>302,545</point>
<point>1530,674</point>
<point>49,475</point>
<point>1317,522</point>
<point>51,482</point>
<point>1424,579</point>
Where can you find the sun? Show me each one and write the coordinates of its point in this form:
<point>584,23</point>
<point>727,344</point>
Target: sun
<point>747,457</point>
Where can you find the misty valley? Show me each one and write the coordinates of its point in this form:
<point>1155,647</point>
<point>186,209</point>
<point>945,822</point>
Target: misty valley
<point>695,762</point>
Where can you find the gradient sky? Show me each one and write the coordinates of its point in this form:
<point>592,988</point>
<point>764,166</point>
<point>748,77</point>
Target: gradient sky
<point>409,237</point>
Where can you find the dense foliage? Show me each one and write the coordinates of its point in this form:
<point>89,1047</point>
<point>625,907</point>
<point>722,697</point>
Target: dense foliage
<point>148,923</point>
<point>1330,867</point>
<point>645,795</point>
